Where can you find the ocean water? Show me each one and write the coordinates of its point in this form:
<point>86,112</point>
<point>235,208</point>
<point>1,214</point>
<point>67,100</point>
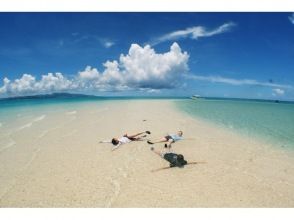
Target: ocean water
<point>272,122</point>
<point>24,121</point>
<point>12,110</point>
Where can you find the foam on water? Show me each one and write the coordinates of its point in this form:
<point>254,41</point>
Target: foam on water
<point>35,120</point>
<point>25,126</point>
<point>40,118</point>
<point>71,113</point>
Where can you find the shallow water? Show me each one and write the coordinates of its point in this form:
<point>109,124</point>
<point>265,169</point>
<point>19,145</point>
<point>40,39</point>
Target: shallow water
<point>273,122</point>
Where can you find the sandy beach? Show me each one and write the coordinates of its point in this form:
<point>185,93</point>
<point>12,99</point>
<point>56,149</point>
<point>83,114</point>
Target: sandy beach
<point>57,161</point>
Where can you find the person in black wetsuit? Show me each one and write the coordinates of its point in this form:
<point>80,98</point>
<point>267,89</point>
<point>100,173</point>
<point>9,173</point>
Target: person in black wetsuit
<point>175,160</point>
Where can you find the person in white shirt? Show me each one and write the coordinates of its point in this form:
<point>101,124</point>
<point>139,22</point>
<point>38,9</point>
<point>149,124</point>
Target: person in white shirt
<point>117,142</point>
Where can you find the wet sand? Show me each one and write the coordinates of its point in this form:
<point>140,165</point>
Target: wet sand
<point>56,161</point>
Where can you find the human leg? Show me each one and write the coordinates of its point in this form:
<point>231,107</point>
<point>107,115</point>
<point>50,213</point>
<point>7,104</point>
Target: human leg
<point>164,139</point>
<point>168,145</point>
<point>137,134</point>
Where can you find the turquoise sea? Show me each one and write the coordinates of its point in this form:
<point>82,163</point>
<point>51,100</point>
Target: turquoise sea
<point>270,121</point>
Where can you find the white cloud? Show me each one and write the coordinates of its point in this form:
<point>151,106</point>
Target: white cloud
<point>28,84</point>
<point>24,84</point>
<point>194,33</point>
<point>108,44</point>
<point>278,92</point>
<point>236,82</point>
<point>291,18</point>
<point>145,68</point>
<point>78,38</point>
<point>89,73</point>
<point>142,67</point>
<point>153,90</point>
<point>51,82</point>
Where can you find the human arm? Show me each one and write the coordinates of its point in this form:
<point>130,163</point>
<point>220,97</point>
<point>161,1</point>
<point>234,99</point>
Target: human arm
<point>165,168</point>
<point>115,146</point>
<point>200,162</point>
<point>107,141</point>
<point>162,168</point>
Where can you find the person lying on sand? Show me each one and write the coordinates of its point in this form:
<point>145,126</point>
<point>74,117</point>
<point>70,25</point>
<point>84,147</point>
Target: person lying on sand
<point>126,139</point>
<point>175,160</point>
<point>170,138</point>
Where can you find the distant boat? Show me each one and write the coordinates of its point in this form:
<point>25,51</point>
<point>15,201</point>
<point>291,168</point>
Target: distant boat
<point>195,97</point>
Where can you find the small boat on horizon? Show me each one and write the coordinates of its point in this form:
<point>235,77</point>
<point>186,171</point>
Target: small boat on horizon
<point>196,97</point>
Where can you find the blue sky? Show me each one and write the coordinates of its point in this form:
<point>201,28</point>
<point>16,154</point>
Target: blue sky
<point>246,55</point>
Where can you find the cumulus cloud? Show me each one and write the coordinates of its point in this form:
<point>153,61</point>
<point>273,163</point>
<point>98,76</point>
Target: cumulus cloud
<point>236,82</point>
<point>51,82</point>
<point>89,73</point>
<point>142,67</point>
<point>291,18</point>
<point>194,33</point>
<point>28,84</point>
<point>278,92</point>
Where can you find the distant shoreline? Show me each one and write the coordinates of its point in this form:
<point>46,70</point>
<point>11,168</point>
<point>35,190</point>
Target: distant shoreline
<point>78,95</point>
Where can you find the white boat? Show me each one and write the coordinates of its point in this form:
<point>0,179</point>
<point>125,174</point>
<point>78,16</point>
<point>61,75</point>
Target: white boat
<point>195,97</point>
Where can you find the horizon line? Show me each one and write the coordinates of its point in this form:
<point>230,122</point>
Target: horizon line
<point>137,96</point>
